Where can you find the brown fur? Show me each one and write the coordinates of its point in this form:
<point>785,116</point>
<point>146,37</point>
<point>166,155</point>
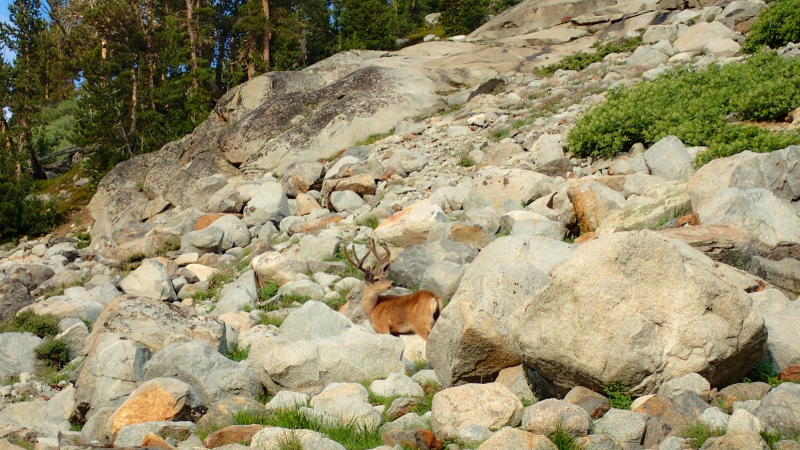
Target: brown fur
<point>395,314</point>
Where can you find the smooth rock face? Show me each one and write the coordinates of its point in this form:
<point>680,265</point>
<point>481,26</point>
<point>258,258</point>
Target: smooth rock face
<point>149,280</point>
<point>17,353</point>
<point>508,438</point>
<point>698,36</point>
<point>266,206</point>
<point>773,171</point>
<point>626,427</point>
<point>736,441</point>
<point>314,320</point>
<point>347,403</point>
<point>46,418</point>
<point>624,271</point>
<point>669,159</point>
<point>780,317</point>
<point>545,416</point>
<point>275,438</point>
<point>781,408</point>
<point>470,340</point>
<point>491,405</point>
<point>213,376</point>
<point>769,219</point>
<point>691,382</point>
<point>504,189</point>
<point>13,297</point>
<point>410,265</point>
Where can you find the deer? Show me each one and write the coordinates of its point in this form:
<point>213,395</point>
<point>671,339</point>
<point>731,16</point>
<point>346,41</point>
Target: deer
<point>393,314</point>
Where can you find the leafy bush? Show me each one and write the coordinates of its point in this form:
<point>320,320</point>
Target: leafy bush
<point>699,432</point>
<point>237,353</point>
<point>53,353</point>
<point>775,27</point>
<point>618,396</point>
<point>580,61</point>
<point>21,211</point>
<point>695,106</point>
<point>28,321</point>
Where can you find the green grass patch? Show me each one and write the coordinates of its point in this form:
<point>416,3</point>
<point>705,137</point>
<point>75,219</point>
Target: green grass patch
<point>466,161</point>
<point>84,239</point>
<point>371,222</point>
<point>268,291</point>
<point>775,27</point>
<point>375,138</point>
<point>27,321</point>
<point>699,432</point>
<point>580,61</point>
<point>19,442</point>
<point>563,440</point>
<point>267,320</point>
<point>499,135</point>
<point>695,107</point>
<point>352,436</point>
<point>618,396</point>
<point>236,353</point>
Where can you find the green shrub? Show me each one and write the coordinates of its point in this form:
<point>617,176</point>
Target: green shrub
<point>699,432</point>
<point>695,107</point>
<point>28,321</point>
<point>775,27</point>
<point>618,396</point>
<point>563,440</point>
<point>237,353</point>
<point>268,291</point>
<point>580,61</point>
<point>53,353</point>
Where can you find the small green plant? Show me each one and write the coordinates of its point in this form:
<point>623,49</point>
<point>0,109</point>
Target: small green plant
<point>499,135</point>
<point>699,432</point>
<point>526,402</point>
<point>775,26</point>
<point>580,61</point>
<point>53,353</point>
<point>570,238</point>
<point>767,373</point>
<point>466,161</point>
<point>84,239</point>
<point>290,442</point>
<point>268,291</point>
<point>75,426</point>
<point>563,440</point>
<point>28,321</point>
<point>236,353</point>
<point>371,222</point>
<point>269,320</point>
<point>772,437</point>
<point>503,233</point>
<point>618,396</point>
<point>19,442</point>
<point>375,138</point>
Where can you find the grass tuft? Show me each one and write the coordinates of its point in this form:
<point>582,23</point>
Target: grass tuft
<point>618,396</point>
<point>236,353</point>
<point>699,432</point>
<point>563,440</point>
<point>27,321</point>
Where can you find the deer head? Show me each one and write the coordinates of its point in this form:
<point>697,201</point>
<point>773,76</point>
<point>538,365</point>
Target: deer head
<point>376,279</point>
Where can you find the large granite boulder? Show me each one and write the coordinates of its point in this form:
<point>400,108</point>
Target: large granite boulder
<point>654,304</point>
<point>470,340</point>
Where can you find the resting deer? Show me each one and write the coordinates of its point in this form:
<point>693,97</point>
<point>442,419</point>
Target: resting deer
<point>393,314</point>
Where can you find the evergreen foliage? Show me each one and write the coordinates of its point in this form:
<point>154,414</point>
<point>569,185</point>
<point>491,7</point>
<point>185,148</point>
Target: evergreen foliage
<point>775,27</point>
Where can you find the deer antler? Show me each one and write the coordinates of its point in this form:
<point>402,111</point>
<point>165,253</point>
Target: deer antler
<point>383,261</point>
<point>358,263</point>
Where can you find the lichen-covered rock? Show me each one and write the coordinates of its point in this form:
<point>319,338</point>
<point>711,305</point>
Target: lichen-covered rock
<point>491,405</point>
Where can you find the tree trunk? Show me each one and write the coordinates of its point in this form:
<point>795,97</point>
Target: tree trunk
<point>251,48</point>
<point>190,6</point>
<point>134,99</point>
<point>267,33</point>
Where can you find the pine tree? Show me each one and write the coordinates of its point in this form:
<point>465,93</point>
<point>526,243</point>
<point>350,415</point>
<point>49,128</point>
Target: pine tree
<point>365,24</point>
<point>462,16</point>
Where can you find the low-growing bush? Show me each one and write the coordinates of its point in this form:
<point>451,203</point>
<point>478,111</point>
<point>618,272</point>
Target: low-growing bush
<point>696,106</point>
<point>775,27</point>
<point>53,353</point>
<point>580,61</point>
<point>28,321</point>
<point>699,432</point>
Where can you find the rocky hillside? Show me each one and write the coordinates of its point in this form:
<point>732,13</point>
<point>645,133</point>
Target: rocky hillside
<point>631,302</point>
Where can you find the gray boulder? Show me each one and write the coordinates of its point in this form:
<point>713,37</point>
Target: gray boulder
<point>13,297</point>
<point>134,435</point>
<point>213,376</point>
<point>409,267</point>
<point>346,201</point>
<point>318,248</point>
<point>506,189</point>
<point>31,275</point>
<point>17,353</point>
<point>597,296</point>
<point>775,171</point>
<point>45,418</point>
<point>406,161</point>
<point>149,280</point>
<point>470,340</point>
<point>545,416</point>
<point>769,219</point>
<point>647,57</point>
<point>625,427</point>
<point>234,228</point>
<point>314,320</point>
<point>539,227</point>
<point>491,405</point>
<point>442,278</point>
<point>207,240</point>
<point>781,317</point>
<point>238,295</point>
<point>270,205</point>
<point>302,177</point>
<point>669,159</point>
<point>111,371</point>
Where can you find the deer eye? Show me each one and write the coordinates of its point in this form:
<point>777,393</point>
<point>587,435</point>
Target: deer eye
<point>376,279</point>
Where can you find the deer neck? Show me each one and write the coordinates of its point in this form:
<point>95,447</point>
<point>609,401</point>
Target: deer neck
<point>370,298</point>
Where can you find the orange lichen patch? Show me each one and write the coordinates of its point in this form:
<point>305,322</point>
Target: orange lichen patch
<point>586,237</point>
<point>207,219</point>
<point>151,405</point>
<point>321,224</point>
<point>233,434</point>
<point>153,441</point>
